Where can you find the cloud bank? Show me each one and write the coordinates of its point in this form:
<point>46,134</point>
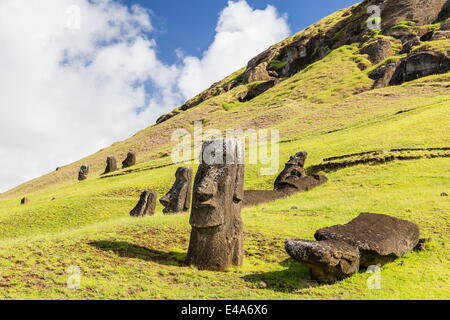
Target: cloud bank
<point>78,75</point>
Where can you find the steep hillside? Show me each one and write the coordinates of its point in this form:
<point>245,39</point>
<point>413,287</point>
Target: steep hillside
<point>337,88</point>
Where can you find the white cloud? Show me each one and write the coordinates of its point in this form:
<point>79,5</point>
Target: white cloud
<point>66,92</point>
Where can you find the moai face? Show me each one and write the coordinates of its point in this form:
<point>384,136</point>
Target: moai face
<point>179,197</point>
<point>83,173</point>
<point>292,172</point>
<point>218,187</point>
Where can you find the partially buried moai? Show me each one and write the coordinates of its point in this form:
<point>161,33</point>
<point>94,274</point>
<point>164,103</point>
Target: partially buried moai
<point>217,229</point>
<point>146,205</point>
<point>83,173</point>
<point>178,199</point>
<point>111,165</point>
<point>129,161</point>
<point>294,178</point>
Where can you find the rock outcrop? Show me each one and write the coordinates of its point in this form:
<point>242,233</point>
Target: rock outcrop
<point>146,205</point>
<point>83,173</point>
<point>111,165</point>
<point>178,199</point>
<point>341,250</point>
<point>378,50</point>
<point>217,235</point>
<point>129,161</point>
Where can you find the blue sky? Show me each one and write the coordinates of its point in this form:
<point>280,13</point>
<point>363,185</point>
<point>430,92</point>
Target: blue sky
<point>189,25</point>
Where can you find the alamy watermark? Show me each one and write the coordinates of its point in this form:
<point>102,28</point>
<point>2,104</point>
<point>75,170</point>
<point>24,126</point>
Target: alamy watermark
<point>374,21</point>
<point>262,145</point>
<point>374,280</point>
<point>73,278</point>
<point>73,17</point>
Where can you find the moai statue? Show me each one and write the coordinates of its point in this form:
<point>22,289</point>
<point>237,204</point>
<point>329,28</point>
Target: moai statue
<point>129,161</point>
<point>217,229</point>
<point>146,205</point>
<point>25,201</point>
<point>111,165</point>
<point>178,199</point>
<point>294,178</point>
<point>83,173</point>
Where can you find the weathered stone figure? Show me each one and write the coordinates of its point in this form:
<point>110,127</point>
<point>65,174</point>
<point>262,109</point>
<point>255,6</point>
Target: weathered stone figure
<point>178,199</point>
<point>294,178</point>
<point>129,161</point>
<point>111,165</point>
<point>25,201</point>
<point>83,173</point>
<point>146,205</point>
<point>217,230</point>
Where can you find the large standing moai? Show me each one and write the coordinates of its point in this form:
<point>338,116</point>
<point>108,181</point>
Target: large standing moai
<point>146,205</point>
<point>294,178</point>
<point>83,173</point>
<point>111,165</point>
<point>217,229</point>
<point>178,199</point>
<point>129,161</point>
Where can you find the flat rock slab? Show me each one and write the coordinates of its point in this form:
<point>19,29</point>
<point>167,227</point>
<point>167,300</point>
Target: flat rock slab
<point>328,261</point>
<point>380,238</point>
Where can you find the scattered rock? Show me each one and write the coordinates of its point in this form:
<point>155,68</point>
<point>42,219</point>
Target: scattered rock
<point>446,26</point>
<point>178,199</point>
<point>111,165</point>
<point>329,261</point>
<point>408,45</point>
<point>421,245</point>
<point>263,285</point>
<point>25,201</point>
<point>444,194</point>
<point>146,205</point>
<point>83,173</point>
<point>217,234</point>
<point>378,50</point>
<point>129,161</point>
<point>379,238</point>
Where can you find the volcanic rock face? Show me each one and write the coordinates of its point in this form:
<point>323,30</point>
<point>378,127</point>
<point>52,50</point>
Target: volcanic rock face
<point>129,161</point>
<point>328,261</point>
<point>341,250</point>
<point>217,230</point>
<point>294,178</point>
<point>25,201</point>
<point>111,165</point>
<point>378,50</point>
<point>83,173</point>
<point>178,199</point>
<point>146,205</point>
<point>421,64</point>
<point>379,238</point>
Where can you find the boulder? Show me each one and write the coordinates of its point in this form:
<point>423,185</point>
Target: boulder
<point>380,238</point>
<point>146,205</point>
<point>129,161</point>
<point>445,26</point>
<point>25,201</point>
<point>83,173</point>
<point>111,165</point>
<point>378,50</point>
<point>408,45</point>
<point>421,64</point>
<point>328,261</point>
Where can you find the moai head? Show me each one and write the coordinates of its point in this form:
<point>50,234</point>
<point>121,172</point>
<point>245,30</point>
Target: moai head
<point>130,160</point>
<point>219,182</point>
<point>111,164</point>
<point>83,173</point>
<point>292,173</point>
<point>179,197</point>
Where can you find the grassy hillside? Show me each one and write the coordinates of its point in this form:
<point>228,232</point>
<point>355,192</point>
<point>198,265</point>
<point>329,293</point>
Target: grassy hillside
<point>327,109</point>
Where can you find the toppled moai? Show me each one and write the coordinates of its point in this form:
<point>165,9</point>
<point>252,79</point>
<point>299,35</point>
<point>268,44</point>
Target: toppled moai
<point>111,165</point>
<point>178,199</point>
<point>217,229</point>
<point>146,205</point>
<point>341,250</point>
<point>83,173</point>
<point>294,178</point>
<point>129,161</point>
<point>25,201</point>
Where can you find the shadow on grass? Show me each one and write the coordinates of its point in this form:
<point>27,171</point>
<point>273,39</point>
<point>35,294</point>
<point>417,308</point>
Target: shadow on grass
<point>129,250</point>
<point>295,278</point>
